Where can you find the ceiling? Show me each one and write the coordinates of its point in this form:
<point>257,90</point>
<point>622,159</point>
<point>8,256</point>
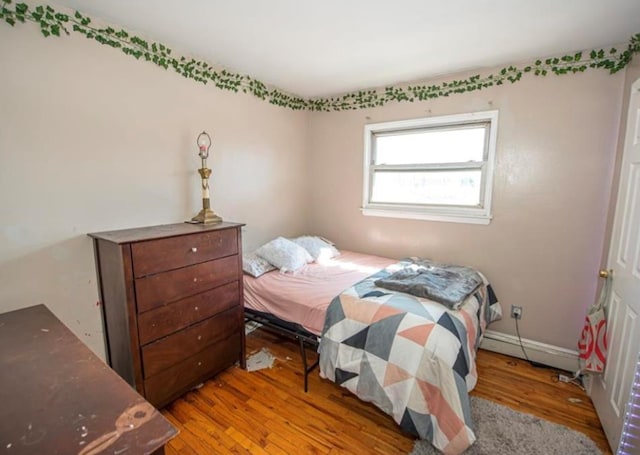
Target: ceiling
<point>329,47</point>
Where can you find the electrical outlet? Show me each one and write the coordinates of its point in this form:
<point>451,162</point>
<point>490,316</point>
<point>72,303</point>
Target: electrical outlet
<point>516,312</point>
<point>563,378</point>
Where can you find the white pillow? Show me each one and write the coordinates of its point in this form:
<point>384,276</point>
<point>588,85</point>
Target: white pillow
<point>317,247</point>
<point>254,265</point>
<point>284,254</point>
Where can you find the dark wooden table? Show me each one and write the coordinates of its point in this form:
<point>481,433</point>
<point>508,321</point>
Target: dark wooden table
<point>58,397</point>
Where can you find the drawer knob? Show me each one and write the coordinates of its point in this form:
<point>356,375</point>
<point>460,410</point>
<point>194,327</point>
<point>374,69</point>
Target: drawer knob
<point>195,280</point>
<point>194,250</point>
<point>199,337</point>
<point>195,308</point>
<point>199,363</point>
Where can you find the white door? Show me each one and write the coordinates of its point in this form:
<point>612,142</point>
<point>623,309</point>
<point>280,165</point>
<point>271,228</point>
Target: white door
<point>610,392</point>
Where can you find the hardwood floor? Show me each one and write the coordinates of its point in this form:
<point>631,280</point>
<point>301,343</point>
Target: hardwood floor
<point>267,411</point>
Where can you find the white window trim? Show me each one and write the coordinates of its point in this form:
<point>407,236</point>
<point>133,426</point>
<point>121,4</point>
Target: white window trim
<point>472,215</point>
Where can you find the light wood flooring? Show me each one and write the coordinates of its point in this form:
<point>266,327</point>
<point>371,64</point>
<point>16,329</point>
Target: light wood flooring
<point>267,411</point>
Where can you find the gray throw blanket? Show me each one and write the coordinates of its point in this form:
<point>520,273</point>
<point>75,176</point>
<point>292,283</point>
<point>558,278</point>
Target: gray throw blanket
<point>443,283</point>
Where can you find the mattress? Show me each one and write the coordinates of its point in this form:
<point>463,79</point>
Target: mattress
<point>303,297</point>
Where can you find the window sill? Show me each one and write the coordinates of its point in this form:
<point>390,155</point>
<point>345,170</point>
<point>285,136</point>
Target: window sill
<point>416,215</point>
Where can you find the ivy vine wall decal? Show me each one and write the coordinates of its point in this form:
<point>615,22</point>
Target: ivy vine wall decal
<point>54,23</point>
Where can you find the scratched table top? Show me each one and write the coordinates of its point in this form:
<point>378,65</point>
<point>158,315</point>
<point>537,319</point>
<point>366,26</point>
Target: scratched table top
<point>58,397</point>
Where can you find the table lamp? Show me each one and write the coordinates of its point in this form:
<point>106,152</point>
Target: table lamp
<point>206,215</point>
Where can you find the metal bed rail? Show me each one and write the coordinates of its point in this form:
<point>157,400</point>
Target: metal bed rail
<point>291,330</point>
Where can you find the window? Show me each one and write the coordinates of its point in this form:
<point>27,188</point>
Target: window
<point>438,168</point>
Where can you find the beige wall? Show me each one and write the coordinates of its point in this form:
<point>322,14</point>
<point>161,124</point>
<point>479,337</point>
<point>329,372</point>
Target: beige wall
<point>555,155</point>
<point>92,140</point>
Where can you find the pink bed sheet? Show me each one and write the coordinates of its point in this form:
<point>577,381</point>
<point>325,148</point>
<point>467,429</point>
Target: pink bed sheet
<point>303,297</point>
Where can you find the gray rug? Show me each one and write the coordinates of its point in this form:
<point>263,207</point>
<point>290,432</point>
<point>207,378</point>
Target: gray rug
<point>503,431</point>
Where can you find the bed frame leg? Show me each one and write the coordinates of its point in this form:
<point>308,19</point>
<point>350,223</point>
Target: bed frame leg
<point>303,353</point>
<point>304,339</point>
<point>307,368</point>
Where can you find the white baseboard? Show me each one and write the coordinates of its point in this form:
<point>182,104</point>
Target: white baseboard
<point>554,356</point>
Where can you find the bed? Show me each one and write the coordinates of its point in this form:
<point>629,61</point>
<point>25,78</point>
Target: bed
<point>412,357</point>
<point>296,304</point>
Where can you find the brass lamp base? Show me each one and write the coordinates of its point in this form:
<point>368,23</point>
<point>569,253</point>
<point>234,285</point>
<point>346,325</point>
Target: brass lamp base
<point>206,216</point>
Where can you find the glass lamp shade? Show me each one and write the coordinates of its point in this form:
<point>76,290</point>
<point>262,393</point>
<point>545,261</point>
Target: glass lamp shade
<point>204,143</point>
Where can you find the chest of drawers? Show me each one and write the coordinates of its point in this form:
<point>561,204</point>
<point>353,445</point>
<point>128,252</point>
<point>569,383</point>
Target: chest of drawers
<point>171,299</point>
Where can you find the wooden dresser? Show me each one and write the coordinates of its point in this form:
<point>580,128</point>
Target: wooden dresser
<point>172,307</point>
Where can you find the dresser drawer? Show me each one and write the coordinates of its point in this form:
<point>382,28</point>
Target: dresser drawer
<point>170,350</point>
<point>165,320</point>
<point>173,382</point>
<point>162,288</point>
<point>154,256</point>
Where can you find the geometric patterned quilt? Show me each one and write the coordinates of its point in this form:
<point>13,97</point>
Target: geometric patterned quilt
<point>412,357</point>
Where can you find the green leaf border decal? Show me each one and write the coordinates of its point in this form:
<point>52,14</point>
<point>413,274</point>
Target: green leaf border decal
<point>55,23</point>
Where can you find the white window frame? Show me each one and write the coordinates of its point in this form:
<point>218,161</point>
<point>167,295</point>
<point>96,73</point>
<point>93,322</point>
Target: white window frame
<point>449,213</point>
